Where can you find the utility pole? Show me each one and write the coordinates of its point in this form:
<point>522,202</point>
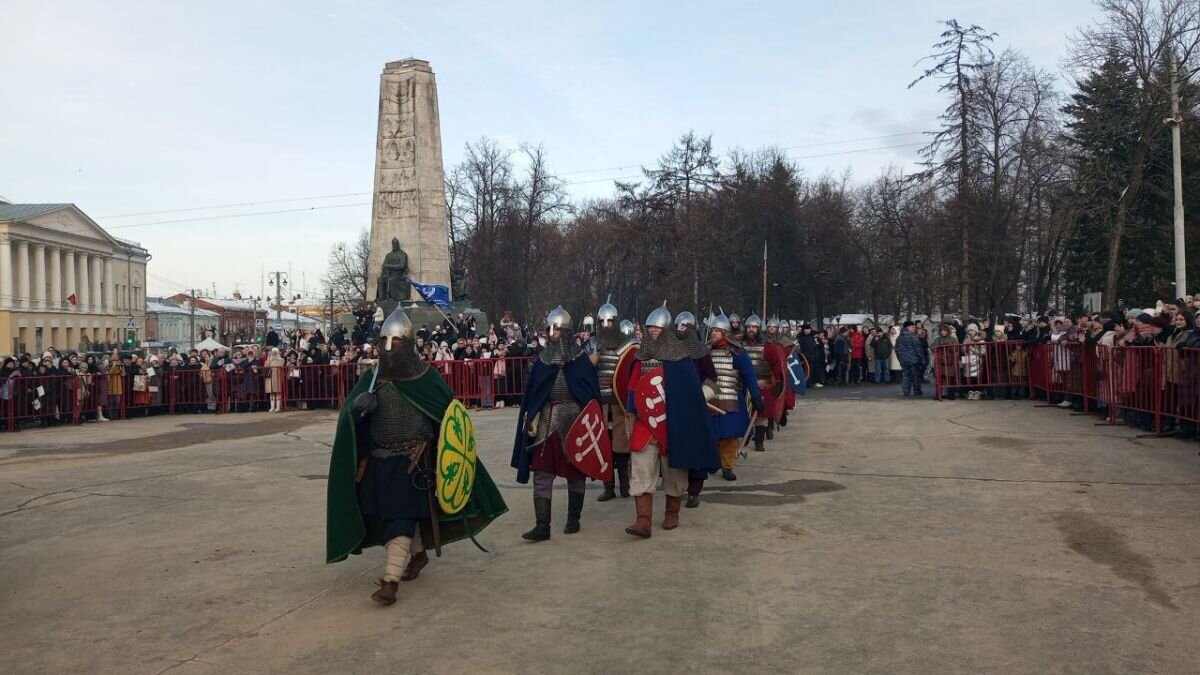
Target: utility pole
<point>330,312</point>
<point>764,305</point>
<point>193,335</point>
<point>280,280</point>
<point>1176,121</point>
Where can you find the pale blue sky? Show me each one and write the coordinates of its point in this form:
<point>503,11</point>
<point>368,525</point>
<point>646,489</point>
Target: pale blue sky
<point>127,107</point>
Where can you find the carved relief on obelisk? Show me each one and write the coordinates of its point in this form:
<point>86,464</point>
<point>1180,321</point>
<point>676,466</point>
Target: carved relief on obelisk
<point>409,201</point>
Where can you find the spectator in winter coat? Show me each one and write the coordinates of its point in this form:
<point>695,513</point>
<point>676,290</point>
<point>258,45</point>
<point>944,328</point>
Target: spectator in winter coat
<point>858,355</point>
<point>946,358</point>
<point>839,354</point>
<point>912,360</point>
<point>882,348</point>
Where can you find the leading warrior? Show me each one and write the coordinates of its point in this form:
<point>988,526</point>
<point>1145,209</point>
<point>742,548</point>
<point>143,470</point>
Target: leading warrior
<point>612,351</point>
<point>382,481</point>
<point>562,381</point>
<point>671,434</point>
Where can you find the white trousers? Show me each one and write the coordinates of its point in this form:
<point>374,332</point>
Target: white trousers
<point>644,470</point>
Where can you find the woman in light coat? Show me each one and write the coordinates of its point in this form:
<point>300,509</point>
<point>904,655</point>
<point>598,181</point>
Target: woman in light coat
<point>273,382</point>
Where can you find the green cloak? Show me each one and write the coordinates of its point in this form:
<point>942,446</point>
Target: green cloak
<point>345,531</point>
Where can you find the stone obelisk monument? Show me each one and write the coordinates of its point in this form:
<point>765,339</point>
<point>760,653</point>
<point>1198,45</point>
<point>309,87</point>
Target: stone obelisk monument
<point>409,204</point>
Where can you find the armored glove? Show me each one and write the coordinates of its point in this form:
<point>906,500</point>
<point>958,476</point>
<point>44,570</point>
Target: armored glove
<point>364,404</point>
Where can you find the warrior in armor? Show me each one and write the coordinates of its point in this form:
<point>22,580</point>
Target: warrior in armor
<point>685,328</point>
<point>381,477</point>
<point>735,382</point>
<point>610,349</point>
<point>670,432</point>
<point>780,332</point>
<point>769,362</point>
<point>561,382</point>
<point>735,321</point>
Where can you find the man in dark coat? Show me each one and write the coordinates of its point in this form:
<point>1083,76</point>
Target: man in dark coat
<point>561,383</point>
<point>911,355</point>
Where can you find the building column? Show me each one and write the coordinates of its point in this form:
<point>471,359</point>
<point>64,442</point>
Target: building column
<point>23,274</point>
<point>82,283</point>
<point>69,279</point>
<point>97,269</point>
<point>39,276</point>
<point>110,292</point>
<point>6,274</point>
<point>56,296</point>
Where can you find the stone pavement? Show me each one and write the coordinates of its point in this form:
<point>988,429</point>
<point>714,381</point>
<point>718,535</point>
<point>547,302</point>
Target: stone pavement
<point>875,536</point>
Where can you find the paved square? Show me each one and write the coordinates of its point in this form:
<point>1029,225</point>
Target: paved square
<point>874,536</point>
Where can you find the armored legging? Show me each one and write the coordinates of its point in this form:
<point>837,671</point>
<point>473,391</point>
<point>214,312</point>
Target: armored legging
<point>543,484</point>
<point>644,468</point>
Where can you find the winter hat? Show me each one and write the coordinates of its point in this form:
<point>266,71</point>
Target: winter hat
<point>972,328</point>
<point>1144,317</point>
<point>909,324</point>
<point>1160,321</point>
<point>1043,319</point>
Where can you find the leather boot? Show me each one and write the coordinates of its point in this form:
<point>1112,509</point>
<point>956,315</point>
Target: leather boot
<point>574,509</point>
<point>760,434</point>
<point>770,430</point>
<point>695,486</point>
<point>623,477</point>
<point>609,492</point>
<point>783,420</point>
<point>415,565</point>
<point>541,512</point>
<point>671,517</point>
<point>692,501</point>
<point>645,506</point>
<point>386,595</point>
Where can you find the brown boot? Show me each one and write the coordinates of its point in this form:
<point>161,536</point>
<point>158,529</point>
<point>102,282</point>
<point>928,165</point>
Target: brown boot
<point>415,565</point>
<point>671,517</point>
<point>645,506</point>
<point>386,595</point>
<point>610,492</point>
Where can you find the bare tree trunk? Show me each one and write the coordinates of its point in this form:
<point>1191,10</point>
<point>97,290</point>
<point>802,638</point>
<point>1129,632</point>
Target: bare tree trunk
<point>1113,276</point>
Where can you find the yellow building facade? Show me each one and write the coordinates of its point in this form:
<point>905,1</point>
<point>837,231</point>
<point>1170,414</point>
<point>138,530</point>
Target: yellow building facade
<point>65,282</point>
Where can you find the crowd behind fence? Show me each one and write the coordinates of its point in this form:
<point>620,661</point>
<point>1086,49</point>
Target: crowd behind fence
<point>74,399</point>
<point>1154,388</point>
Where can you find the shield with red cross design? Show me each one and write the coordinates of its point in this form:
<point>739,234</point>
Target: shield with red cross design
<point>650,401</point>
<point>587,444</point>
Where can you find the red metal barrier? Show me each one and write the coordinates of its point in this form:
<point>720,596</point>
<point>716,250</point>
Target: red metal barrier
<point>185,390</point>
<point>992,368</point>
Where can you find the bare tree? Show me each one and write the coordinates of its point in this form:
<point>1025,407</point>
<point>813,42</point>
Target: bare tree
<point>346,276</point>
<point>957,59</point>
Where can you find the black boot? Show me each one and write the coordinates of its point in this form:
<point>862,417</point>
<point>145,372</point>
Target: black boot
<point>609,492</point>
<point>541,512</point>
<point>783,420</point>
<point>770,430</point>
<point>760,435</point>
<point>574,509</point>
<point>728,474</point>
<point>623,477</point>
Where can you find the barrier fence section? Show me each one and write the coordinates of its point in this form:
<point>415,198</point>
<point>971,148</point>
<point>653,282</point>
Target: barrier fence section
<point>1155,388</point>
<point>72,399</point>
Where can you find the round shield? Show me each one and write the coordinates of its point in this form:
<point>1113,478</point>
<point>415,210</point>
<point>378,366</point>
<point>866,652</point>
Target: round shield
<point>455,459</point>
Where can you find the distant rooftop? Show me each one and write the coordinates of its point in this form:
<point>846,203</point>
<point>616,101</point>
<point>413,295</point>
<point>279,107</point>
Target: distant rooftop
<point>22,211</point>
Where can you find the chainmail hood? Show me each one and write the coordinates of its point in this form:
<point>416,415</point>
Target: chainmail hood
<point>402,362</point>
<point>611,337</point>
<point>667,347</point>
<point>696,348</point>
<point>559,351</point>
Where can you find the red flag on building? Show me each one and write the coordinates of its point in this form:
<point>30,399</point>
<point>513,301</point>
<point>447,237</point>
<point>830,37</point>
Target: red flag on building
<point>72,299</point>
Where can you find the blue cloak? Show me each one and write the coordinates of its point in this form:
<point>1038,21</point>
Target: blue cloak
<point>584,386</point>
<point>691,443</point>
<point>733,424</point>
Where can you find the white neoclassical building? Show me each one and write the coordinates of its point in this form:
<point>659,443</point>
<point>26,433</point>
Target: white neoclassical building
<point>65,282</point>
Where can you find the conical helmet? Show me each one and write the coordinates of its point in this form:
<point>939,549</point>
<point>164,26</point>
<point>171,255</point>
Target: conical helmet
<point>397,325</point>
<point>588,322</point>
<point>558,318</point>
<point>607,312</point>
<point>660,317</point>
<point>685,318</point>
<point>735,318</point>
<point>627,327</point>
<point>720,322</point>
<point>773,322</point>
<point>753,320</point>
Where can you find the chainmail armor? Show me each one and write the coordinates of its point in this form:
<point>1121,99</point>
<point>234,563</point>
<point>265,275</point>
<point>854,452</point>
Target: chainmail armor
<point>559,412</point>
<point>559,351</point>
<point>696,348</point>
<point>762,369</point>
<point>397,426</point>
<point>611,338</point>
<point>668,347</point>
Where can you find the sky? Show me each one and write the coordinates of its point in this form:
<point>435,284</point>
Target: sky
<point>145,114</point>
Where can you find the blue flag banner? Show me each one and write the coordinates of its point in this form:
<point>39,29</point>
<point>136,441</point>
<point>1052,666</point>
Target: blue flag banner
<point>433,294</point>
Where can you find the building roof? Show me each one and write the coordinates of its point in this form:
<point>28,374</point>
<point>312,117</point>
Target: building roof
<point>23,211</point>
<point>153,307</point>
